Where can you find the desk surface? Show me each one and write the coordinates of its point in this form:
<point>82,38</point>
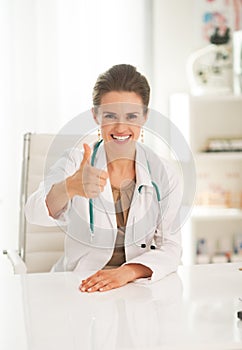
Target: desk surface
<point>195,308</point>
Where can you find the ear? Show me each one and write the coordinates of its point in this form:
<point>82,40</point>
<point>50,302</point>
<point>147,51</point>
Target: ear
<point>95,116</point>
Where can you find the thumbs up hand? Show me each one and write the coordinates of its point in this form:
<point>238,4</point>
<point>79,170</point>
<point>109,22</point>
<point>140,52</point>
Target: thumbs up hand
<point>87,181</point>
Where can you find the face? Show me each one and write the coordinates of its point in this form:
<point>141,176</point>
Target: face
<point>121,116</point>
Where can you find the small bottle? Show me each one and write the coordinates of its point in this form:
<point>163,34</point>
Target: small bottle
<point>237,251</point>
<point>202,251</point>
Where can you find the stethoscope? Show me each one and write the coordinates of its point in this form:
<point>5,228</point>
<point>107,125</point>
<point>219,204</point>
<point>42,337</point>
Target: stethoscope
<point>91,214</point>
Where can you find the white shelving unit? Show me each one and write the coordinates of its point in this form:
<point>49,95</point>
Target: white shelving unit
<point>217,216</point>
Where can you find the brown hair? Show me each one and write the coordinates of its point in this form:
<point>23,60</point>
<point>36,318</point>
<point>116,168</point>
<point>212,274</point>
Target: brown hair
<point>121,77</point>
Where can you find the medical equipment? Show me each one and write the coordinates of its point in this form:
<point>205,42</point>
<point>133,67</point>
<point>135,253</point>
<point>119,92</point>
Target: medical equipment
<point>91,214</point>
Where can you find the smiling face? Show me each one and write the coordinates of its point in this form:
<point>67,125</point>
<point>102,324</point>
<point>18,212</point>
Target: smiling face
<point>121,116</point>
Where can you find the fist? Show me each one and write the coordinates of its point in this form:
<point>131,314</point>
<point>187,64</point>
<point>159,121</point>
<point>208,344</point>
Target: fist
<point>87,181</point>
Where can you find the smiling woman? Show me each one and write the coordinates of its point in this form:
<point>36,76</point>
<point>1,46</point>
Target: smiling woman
<point>119,219</point>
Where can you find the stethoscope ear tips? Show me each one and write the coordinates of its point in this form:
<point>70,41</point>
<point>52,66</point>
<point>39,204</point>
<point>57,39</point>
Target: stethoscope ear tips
<point>143,245</point>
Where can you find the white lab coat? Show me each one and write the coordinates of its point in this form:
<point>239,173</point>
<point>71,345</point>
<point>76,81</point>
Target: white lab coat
<point>148,220</point>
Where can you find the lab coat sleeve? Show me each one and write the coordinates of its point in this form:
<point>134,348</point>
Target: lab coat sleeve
<point>36,210</point>
<point>166,258</point>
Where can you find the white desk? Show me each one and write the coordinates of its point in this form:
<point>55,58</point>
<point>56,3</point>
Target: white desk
<point>194,309</point>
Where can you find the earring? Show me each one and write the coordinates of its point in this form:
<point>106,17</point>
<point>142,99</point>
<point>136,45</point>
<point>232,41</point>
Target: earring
<point>142,135</point>
<point>98,134</point>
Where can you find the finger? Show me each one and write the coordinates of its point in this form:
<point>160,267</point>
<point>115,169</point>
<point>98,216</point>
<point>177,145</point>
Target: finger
<point>89,286</point>
<point>92,185</point>
<point>91,281</point>
<point>107,287</point>
<point>97,173</point>
<point>86,154</point>
<point>102,182</point>
<point>98,286</point>
<point>92,190</point>
<point>100,174</point>
<point>88,282</point>
<point>103,175</point>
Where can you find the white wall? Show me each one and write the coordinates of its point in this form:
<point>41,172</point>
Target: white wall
<point>173,27</point>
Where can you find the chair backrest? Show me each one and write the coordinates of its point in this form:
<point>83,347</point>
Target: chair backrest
<point>39,246</point>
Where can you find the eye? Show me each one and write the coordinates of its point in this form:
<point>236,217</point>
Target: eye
<point>132,116</point>
<point>109,116</point>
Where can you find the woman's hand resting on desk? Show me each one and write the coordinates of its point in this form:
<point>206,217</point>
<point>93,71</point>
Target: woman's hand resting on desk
<point>104,280</point>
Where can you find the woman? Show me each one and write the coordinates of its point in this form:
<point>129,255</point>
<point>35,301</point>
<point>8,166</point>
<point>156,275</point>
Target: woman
<point>118,199</point>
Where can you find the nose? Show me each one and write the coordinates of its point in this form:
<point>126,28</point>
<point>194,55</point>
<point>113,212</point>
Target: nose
<point>120,126</point>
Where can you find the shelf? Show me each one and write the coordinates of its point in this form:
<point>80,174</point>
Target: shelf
<point>228,96</point>
<point>214,97</point>
<point>202,119</point>
<point>216,213</point>
<point>218,156</point>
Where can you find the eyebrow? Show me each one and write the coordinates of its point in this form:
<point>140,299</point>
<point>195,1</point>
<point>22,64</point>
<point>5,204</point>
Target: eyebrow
<point>114,113</point>
<point>107,112</point>
<point>133,113</point>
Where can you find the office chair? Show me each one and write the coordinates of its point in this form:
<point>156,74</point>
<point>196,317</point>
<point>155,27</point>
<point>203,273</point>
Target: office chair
<point>40,246</point>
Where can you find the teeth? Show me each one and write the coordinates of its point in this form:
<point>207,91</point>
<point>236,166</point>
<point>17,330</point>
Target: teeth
<point>120,138</point>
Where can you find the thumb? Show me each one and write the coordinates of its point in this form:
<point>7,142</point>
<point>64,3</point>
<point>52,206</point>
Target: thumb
<point>87,154</point>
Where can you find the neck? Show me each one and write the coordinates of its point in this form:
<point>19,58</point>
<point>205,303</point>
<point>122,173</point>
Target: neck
<point>121,166</point>
<point>120,156</point>
<point>121,171</point>
<point>121,163</point>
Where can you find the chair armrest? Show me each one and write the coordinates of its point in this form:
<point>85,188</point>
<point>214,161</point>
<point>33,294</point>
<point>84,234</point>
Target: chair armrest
<point>18,264</point>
